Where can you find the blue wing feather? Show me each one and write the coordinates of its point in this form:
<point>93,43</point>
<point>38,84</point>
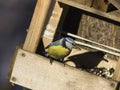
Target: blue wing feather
<point>54,43</point>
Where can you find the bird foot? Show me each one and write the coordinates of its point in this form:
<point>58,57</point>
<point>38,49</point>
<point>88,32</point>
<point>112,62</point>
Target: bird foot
<point>64,64</point>
<point>51,61</point>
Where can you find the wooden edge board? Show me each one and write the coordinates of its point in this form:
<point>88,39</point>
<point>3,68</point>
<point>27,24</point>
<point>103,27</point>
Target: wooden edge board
<point>50,30</point>
<point>97,48</point>
<point>13,61</point>
<point>90,10</point>
<point>116,75</point>
<point>36,25</point>
<point>115,13</point>
<point>35,72</point>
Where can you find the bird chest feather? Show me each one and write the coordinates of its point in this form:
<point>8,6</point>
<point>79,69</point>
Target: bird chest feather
<point>58,51</point>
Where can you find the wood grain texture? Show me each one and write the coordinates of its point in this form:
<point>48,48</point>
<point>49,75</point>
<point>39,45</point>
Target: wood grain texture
<point>50,30</point>
<point>88,9</point>
<point>84,2</point>
<point>36,72</point>
<point>99,30</point>
<point>116,13</point>
<point>116,75</point>
<point>117,44</point>
<point>100,5</point>
<point>36,25</point>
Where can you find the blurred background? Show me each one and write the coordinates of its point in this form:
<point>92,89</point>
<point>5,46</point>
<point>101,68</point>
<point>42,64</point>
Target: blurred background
<point>15,17</point>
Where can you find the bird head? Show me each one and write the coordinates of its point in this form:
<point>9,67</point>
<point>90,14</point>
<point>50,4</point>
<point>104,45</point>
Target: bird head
<point>68,42</point>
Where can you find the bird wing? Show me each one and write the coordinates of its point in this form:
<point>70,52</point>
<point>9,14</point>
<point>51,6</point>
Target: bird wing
<point>54,44</point>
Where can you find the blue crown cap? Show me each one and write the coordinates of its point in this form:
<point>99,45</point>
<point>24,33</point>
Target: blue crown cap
<point>69,39</point>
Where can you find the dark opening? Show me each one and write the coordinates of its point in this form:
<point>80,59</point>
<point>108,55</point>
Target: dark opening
<point>69,21</point>
<point>111,8</point>
<point>72,20</point>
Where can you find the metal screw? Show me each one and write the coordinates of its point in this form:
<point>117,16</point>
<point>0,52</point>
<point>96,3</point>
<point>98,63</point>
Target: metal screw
<point>112,84</point>
<point>14,79</point>
<point>23,54</point>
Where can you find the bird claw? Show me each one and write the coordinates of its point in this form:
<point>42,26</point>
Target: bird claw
<point>51,61</point>
<point>64,64</point>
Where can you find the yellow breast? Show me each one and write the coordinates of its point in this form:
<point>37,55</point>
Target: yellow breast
<point>58,51</point>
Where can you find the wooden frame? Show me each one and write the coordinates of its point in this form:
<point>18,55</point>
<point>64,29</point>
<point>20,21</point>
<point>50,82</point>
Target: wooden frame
<point>35,72</point>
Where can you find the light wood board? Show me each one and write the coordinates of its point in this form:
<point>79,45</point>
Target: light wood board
<point>117,71</point>
<point>35,72</point>
<point>88,9</point>
<point>51,27</point>
<point>36,26</point>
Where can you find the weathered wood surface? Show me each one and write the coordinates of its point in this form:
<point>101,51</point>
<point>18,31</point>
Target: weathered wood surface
<point>88,9</point>
<point>36,72</point>
<point>84,2</point>
<point>102,32</point>
<point>50,30</point>
<point>117,71</point>
<point>36,25</point>
<point>116,13</point>
<point>100,5</point>
<point>97,30</point>
<point>117,44</point>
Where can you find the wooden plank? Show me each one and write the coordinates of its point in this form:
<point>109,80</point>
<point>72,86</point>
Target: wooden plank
<point>88,9</point>
<point>36,25</point>
<point>100,5</point>
<point>115,13</point>
<point>52,25</point>
<point>115,3</point>
<point>116,75</point>
<point>36,72</point>
<point>85,2</point>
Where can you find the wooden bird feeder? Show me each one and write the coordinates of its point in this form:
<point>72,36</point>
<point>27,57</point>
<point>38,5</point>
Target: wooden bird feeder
<point>51,19</point>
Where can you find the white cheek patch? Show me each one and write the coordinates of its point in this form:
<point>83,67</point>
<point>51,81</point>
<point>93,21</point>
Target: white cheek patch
<point>69,45</point>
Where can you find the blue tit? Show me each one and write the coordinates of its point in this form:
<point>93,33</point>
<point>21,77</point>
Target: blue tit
<point>60,48</point>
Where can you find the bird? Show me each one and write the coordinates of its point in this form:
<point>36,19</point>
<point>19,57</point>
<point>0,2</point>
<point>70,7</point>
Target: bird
<point>59,49</point>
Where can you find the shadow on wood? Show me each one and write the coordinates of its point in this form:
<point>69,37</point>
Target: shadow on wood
<point>87,60</point>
